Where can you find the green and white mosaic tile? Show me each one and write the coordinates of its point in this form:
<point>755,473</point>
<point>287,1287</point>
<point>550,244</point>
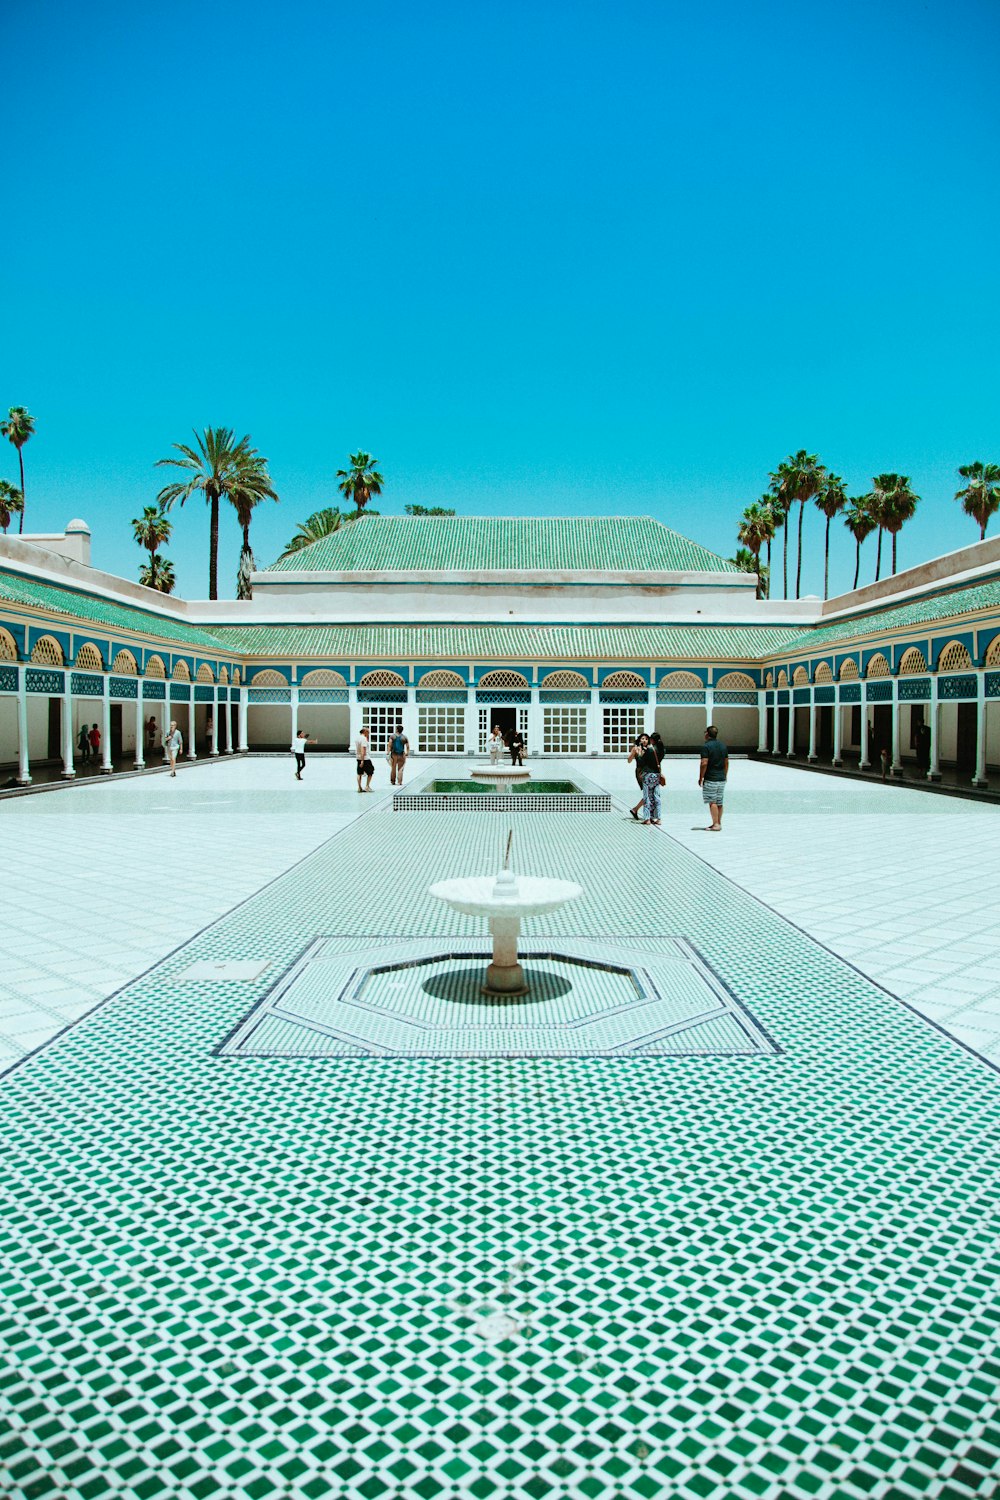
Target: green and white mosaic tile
<point>687,1276</point>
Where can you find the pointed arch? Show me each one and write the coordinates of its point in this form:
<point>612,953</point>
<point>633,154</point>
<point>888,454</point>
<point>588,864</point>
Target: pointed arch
<point>878,666</point>
<point>125,664</point>
<point>823,673</point>
<point>155,667</point>
<point>8,646</point>
<point>849,670</point>
<point>89,658</point>
<point>913,662</point>
<point>205,673</point>
<point>181,672</point>
<point>800,677</point>
<point>954,658</point>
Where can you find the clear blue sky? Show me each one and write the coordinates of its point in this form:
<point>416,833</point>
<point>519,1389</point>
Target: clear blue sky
<point>537,257</point>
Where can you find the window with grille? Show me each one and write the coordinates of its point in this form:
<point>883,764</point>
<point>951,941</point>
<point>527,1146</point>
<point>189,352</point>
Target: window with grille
<point>564,731</point>
<point>381,679</point>
<point>381,719</point>
<point>48,653</point>
<point>441,729</point>
<point>954,658</point>
<point>621,727</point>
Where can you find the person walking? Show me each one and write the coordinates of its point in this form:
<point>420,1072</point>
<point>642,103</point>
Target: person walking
<point>83,744</point>
<point>712,775</point>
<point>649,766</point>
<point>399,749</point>
<point>94,737</point>
<point>362,752</point>
<point>173,744</point>
<point>516,747</point>
<point>638,750</point>
<point>299,742</point>
<point>497,745</point>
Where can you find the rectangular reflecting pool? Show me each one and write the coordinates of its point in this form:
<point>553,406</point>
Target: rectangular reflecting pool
<point>483,789</point>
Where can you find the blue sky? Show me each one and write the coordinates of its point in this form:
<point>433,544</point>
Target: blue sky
<point>537,257</point>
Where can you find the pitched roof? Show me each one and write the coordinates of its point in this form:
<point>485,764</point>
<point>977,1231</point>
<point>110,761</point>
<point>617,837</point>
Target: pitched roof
<point>506,642</point>
<point>17,589</point>
<point>500,543</point>
<point>923,611</point>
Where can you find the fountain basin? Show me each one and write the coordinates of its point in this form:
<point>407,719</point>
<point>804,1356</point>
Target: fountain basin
<point>505,900</point>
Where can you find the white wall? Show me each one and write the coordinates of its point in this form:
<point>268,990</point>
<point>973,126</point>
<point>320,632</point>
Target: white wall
<point>681,728</point>
<point>737,726</point>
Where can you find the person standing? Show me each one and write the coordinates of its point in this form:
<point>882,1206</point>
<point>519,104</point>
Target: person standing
<point>299,742</point>
<point>95,742</point>
<point>638,749</point>
<point>150,732</point>
<point>173,744</point>
<point>712,775</point>
<point>362,752</point>
<point>399,749</point>
<point>497,745</point>
<point>648,765</point>
<point>83,742</point>
<point>516,747</point>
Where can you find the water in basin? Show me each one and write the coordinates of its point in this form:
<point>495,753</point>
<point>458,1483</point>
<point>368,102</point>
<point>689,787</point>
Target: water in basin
<point>526,789</point>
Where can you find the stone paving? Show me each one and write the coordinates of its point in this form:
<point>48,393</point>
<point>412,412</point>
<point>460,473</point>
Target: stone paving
<point>768,1275</point>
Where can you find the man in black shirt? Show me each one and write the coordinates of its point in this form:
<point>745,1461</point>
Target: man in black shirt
<point>712,775</point>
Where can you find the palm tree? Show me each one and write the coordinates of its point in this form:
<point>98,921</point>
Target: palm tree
<point>780,503</point>
<point>772,519</point>
<point>320,524</point>
<point>252,486</point>
<point>860,523</point>
<point>753,533</point>
<point>799,478</point>
<point>748,562</point>
<point>895,505</point>
<point>361,481</point>
<point>217,465</point>
<point>981,496</point>
<point>152,529</point>
<point>831,500</point>
<point>11,502</point>
<point>18,428</point>
<point>158,574</point>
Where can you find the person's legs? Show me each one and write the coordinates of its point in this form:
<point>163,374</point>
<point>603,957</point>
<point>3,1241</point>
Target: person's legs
<point>716,811</point>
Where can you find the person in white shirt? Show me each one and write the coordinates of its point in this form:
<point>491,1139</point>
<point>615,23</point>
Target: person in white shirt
<point>362,751</point>
<point>173,744</point>
<point>299,743</point>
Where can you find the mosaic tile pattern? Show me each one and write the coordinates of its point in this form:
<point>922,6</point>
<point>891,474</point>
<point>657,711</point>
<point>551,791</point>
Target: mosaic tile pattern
<point>590,1000</point>
<point>688,1277</point>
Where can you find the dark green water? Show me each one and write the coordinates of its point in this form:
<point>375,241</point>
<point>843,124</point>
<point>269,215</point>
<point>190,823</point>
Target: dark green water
<point>526,788</point>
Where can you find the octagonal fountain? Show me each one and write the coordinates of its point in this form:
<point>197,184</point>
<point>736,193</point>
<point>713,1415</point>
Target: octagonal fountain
<point>505,900</point>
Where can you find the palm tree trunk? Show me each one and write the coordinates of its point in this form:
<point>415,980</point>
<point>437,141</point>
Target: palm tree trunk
<point>769,567</point>
<point>857,561</point>
<point>784,566</point>
<point>798,570</point>
<point>20,459</point>
<point>878,557</point>
<point>826,563</point>
<point>756,563</point>
<point>213,549</point>
<point>894,554</point>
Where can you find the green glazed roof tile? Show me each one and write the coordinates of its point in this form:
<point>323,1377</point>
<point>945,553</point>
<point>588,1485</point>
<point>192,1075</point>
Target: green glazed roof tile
<point>16,589</point>
<point>491,543</point>
<point>897,617</point>
<point>503,642</point>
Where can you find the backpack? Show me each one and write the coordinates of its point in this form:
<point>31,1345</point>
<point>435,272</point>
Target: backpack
<point>398,745</point>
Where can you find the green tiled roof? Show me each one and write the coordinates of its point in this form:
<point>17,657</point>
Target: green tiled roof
<point>897,617</point>
<point>19,590</point>
<point>505,642</point>
<point>479,543</point>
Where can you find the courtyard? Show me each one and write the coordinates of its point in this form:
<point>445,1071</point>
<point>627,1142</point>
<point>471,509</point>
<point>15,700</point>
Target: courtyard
<point>762,1275</point>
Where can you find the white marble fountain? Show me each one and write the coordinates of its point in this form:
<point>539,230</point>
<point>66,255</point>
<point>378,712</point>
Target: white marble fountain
<point>501,778</point>
<point>505,900</point>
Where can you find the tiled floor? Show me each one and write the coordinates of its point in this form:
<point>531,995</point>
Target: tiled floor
<point>688,1276</point>
<point>898,882</point>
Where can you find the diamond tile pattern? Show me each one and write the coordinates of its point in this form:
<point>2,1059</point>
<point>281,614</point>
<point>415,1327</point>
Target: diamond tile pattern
<point>672,1276</point>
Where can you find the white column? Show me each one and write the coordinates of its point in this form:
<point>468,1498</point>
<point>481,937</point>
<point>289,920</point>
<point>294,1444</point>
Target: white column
<point>294,705</point>
<point>68,770</point>
<point>864,763</point>
<point>213,748</point>
<point>106,766</point>
<point>896,767</point>
<point>838,728</point>
<point>140,729</point>
<point>790,747</point>
<point>980,777</point>
<point>242,719</point>
<point>812,726</point>
<point>761,722</point>
<point>23,767</point>
<point>709,706</point>
<point>934,723</point>
<point>534,725</point>
<point>191,750</point>
<point>595,724</point>
<point>225,747</point>
<point>352,713</point>
<point>472,725</point>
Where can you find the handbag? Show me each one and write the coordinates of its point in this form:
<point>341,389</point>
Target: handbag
<point>663,780</point>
